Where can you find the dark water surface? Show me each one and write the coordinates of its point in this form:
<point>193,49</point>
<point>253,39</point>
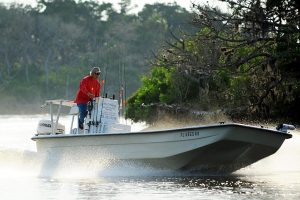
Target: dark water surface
<point>23,174</point>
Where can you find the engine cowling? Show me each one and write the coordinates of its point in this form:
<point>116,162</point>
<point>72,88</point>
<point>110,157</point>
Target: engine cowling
<point>44,127</point>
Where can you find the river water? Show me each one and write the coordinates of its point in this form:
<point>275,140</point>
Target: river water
<point>23,174</point>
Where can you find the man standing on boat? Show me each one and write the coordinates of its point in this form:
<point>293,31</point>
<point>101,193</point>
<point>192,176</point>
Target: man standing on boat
<point>89,88</point>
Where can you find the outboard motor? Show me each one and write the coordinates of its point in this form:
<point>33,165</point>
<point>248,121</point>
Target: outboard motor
<point>285,127</point>
<point>44,128</point>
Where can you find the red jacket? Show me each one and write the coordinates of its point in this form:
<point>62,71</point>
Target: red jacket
<point>87,85</point>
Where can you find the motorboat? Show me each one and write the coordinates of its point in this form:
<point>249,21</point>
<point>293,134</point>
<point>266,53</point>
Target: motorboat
<point>216,148</point>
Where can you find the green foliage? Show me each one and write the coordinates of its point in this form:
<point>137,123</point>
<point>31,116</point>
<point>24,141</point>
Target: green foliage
<point>235,62</point>
<point>46,50</point>
<point>156,88</point>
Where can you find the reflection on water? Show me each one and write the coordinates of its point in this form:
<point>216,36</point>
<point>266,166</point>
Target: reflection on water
<point>25,175</point>
<point>177,187</point>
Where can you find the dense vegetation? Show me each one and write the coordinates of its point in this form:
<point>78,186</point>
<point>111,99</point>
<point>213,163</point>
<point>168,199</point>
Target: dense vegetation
<point>245,63</point>
<point>46,50</point>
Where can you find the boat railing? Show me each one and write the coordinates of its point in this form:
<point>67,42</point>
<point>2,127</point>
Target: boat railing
<point>60,103</point>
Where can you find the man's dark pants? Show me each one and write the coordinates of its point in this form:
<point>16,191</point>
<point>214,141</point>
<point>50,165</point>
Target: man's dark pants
<point>82,114</point>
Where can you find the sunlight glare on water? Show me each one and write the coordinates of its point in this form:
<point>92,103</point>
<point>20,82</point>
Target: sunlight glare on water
<point>26,175</point>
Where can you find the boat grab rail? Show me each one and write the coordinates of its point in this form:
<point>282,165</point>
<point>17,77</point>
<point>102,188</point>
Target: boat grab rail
<point>60,103</point>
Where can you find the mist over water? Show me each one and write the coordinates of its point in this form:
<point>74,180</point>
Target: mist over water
<point>27,175</point>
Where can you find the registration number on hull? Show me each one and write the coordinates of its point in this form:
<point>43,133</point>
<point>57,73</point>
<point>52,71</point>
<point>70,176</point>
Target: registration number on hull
<point>189,134</point>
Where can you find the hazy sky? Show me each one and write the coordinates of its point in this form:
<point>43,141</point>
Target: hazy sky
<point>184,3</point>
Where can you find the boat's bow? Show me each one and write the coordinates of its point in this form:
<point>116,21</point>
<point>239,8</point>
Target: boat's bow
<point>241,146</point>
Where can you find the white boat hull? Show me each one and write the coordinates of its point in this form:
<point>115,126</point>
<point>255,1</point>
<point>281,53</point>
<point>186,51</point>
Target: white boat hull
<point>218,148</point>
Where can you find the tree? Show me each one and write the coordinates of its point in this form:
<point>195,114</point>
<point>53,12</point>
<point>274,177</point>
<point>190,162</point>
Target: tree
<point>46,50</point>
<point>244,61</point>
<point>261,49</point>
